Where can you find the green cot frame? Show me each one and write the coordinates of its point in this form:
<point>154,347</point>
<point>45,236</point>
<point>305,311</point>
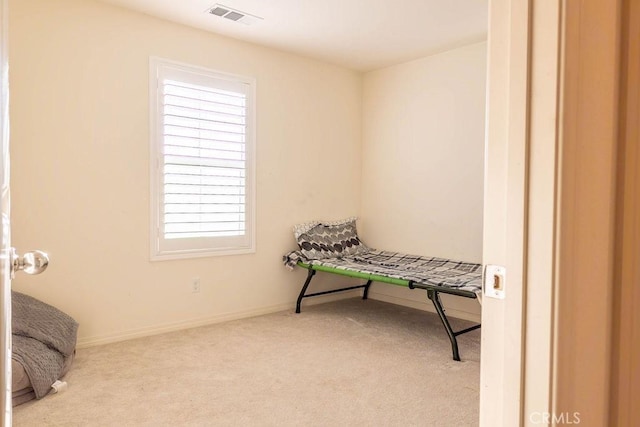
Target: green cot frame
<point>433,293</point>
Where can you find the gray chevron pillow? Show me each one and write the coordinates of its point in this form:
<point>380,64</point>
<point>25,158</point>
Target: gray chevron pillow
<point>330,240</point>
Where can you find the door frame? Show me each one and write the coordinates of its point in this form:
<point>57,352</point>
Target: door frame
<point>588,144</point>
<point>552,125</point>
<point>502,366</point>
<point>625,372</point>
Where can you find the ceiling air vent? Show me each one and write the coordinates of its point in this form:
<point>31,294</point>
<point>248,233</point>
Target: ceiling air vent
<point>233,14</point>
<point>218,11</point>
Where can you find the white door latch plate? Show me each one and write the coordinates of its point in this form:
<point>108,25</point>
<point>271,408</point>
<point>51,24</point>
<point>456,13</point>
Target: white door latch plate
<point>494,281</point>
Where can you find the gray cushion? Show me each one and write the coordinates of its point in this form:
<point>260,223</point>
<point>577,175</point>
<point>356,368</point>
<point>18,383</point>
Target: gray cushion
<point>331,240</point>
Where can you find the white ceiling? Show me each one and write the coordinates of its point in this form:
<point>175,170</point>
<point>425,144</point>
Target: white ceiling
<point>358,34</point>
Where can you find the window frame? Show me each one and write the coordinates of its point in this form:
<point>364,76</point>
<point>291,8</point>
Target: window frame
<point>199,246</point>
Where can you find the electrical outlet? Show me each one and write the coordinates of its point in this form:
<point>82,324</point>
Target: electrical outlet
<point>195,285</point>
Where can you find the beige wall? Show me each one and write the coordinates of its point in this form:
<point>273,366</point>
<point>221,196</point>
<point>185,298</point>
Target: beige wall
<point>80,166</point>
<point>422,165</point>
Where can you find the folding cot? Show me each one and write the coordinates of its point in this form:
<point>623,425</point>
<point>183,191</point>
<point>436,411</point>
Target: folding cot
<point>335,248</point>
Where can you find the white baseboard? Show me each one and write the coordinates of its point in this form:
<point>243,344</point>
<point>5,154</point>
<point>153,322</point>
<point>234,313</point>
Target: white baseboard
<point>226,317</point>
<point>204,321</point>
<point>424,305</point>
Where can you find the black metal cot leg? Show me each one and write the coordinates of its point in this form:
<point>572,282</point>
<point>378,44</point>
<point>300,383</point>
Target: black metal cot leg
<point>310,275</point>
<point>365,294</point>
<point>435,298</point>
<point>304,289</point>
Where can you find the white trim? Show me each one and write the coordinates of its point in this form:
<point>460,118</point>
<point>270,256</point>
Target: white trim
<point>542,208</point>
<point>505,209</point>
<point>247,247</point>
<point>203,253</point>
<point>423,305</point>
<point>204,321</point>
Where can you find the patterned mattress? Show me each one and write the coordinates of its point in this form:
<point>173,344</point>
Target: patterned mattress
<point>430,271</point>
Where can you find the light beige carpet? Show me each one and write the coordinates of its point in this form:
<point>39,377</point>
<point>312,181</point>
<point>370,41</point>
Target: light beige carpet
<point>346,363</point>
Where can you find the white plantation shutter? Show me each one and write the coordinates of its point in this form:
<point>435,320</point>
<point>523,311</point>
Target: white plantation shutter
<point>203,149</point>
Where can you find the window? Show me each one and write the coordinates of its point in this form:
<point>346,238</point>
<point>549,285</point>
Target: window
<point>202,162</point>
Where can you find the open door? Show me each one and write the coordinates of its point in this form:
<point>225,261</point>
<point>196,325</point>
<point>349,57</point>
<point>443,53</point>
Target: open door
<point>5,237</point>
<point>33,262</point>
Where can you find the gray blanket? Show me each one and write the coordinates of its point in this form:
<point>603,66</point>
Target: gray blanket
<point>43,337</point>
<point>432,271</point>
